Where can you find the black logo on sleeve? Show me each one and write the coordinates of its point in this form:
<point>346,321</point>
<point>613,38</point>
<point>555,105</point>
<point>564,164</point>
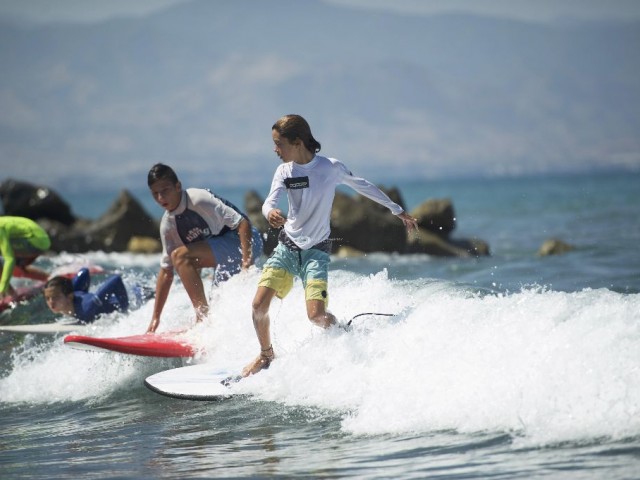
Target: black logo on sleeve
<point>297,182</point>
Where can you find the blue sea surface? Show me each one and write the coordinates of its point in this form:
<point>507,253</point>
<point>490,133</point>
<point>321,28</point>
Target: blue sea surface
<point>507,366</point>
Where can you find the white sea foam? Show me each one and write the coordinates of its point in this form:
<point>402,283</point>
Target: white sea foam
<point>547,366</point>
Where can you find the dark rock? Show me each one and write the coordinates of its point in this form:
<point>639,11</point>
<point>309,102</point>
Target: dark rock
<point>357,224</point>
<point>110,233</point>
<point>436,216</point>
<point>431,243</point>
<point>363,224</point>
<point>21,199</point>
<point>475,247</point>
<point>139,244</point>
<point>360,225</point>
<point>554,246</point>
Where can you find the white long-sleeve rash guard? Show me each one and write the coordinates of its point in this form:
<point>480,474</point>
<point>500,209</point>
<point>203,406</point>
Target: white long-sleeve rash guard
<point>310,190</point>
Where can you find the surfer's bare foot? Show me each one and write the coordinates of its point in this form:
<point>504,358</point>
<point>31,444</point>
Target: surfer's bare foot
<point>261,362</point>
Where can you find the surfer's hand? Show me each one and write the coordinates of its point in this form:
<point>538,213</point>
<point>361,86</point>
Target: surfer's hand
<point>153,326</point>
<point>246,263</point>
<point>261,362</point>
<point>9,292</point>
<point>276,218</point>
<point>410,223</point>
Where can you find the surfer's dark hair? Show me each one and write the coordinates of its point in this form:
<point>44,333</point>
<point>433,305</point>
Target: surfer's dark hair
<point>63,283</point>
<point>294,126</point>
<point>160,171</point>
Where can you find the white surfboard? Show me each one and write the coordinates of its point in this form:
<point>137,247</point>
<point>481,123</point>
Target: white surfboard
<point>53,327</point>
<point>195,382</point>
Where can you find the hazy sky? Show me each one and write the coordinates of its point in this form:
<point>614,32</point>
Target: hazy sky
<point>528,10</point>
<point>409,133</point>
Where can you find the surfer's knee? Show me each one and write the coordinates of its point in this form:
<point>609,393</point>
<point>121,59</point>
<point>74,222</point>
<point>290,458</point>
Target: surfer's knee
<point>180,256</point>
<point>262,301</point>
<point>260,307</point>
<point>318,315</point>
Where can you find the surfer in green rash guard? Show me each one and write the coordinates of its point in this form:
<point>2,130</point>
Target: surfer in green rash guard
<point>21,241</point>
<point>309,181</point>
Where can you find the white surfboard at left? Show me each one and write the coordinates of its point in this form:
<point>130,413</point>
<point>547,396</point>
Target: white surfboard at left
<point>53,327</point>
<point>195,382</point>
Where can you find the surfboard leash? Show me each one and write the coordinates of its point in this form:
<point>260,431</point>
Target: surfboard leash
<point>370,313</point>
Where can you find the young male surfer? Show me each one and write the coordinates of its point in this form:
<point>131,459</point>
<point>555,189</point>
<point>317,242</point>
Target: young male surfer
<point>198,230</point>
<point>21,241</point>
<point>304,246</point>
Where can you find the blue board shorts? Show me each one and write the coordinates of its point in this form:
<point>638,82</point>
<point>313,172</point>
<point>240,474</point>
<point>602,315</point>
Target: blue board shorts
<point>311,266</point>
<point>226,249</point>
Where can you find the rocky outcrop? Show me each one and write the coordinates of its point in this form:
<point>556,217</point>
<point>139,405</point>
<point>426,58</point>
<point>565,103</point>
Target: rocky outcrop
<point>436,216</point>
<point>358,225</point>
<point>436,221</point>
<point>364,225</point>
<point>125,219</point>
<point>438,246</point>
<point>21,199</point>
<point>139,244</point>
<point>553,246</point>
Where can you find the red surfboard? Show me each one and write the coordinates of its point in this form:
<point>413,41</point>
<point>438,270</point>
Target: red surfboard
<point>71,269</point>
<point>21,294</point>
<point>170,344</point>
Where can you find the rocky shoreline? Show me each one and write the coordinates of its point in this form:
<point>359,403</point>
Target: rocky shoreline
<point>358,225</point>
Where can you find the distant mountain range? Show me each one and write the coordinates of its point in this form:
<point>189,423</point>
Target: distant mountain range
<point>396,97</point>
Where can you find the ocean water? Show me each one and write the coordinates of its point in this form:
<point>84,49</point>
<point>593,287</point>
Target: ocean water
<point>508,366</point>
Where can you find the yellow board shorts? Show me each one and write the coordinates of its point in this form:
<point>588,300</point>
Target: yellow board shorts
<point>310,265</point>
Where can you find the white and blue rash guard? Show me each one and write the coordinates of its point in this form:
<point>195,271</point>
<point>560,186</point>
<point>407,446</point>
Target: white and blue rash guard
<point>199,216</point>
<point>310,190</point>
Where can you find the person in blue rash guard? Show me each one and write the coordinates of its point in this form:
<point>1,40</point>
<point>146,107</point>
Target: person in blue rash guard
<point>72,297</point>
